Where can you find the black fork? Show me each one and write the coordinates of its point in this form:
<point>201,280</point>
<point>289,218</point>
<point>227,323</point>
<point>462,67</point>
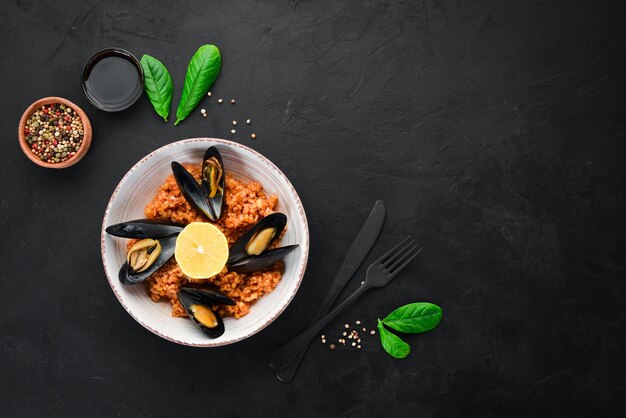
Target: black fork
<point>379,273</point>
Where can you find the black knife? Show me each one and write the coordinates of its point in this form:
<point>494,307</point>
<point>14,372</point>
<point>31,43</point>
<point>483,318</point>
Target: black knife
<point>361,246</point>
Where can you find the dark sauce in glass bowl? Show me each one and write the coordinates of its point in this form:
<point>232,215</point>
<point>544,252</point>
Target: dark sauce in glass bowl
<point>112,79</point>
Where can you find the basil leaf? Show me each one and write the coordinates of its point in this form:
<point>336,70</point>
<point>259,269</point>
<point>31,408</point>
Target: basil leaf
<point>201,74</point>
<point>158,85</point>
<point>414,317</point>
<point>392,343</point>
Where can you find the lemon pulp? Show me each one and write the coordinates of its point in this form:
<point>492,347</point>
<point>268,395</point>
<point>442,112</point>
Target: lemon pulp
<point>201,250</point>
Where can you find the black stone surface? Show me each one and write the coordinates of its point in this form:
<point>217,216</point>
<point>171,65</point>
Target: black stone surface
<point>494,131</point>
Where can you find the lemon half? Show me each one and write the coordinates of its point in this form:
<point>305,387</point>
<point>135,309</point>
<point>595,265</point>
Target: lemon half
<point>201,250</point>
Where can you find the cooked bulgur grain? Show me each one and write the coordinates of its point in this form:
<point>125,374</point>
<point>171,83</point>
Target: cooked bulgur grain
<point>245,203</point>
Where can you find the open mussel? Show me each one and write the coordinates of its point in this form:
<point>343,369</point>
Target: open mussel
<point>259,262</point>
<point>145,257</point>
<point>199,306</point>
<point>250,252</point>
<point>156,246</point>
<point>213,180</point>
<point>258,238</point>
<point>191,190</point>
<point>208,196</point>
<point>143,254</point>
<point>144,228</point>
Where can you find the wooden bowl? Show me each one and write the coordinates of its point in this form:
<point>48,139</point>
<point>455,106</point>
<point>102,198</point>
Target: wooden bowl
<point>84,147</point>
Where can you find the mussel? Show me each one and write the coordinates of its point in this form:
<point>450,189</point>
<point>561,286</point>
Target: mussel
<point>157,246</point>
<point>208,196</point>
<point>199,306</point>
<point>259,237</point>
<point>141,261</point>
<point>259,262</point>
<point>144,228</point>
<point>250,252</point>
<point>214,180</point>
<point>143,254</point>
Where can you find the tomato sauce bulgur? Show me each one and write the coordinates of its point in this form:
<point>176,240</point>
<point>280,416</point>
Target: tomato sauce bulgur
<point>245,204</point>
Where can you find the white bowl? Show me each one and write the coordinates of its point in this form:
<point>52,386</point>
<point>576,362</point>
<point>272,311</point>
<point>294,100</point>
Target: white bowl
<point>139,186</point>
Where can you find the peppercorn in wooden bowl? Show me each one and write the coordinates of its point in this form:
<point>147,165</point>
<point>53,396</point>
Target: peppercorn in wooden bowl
<point>54,133</point>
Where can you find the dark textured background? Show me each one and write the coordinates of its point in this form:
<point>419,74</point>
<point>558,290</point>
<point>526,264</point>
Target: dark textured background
<point>493,130</point>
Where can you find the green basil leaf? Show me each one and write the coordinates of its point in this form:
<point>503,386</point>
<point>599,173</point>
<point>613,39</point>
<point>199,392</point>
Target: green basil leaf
<point>201,74</point>
<point>392,343</point>
<point>158,85</point>
<point>414,317</point>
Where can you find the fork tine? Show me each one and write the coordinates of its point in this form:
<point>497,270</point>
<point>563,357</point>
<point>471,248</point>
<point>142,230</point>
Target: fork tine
<point>399,253</point>
<point>390,252</point>
<point>398,269</point>
<point>401,256</point>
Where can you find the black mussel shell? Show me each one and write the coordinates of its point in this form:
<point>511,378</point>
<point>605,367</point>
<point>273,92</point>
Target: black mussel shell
<point>216,202</point>
<point>238,250</point>
<point>208,296</point>
<point>259,262</point>
<point>168,246</point>
<point>192,191</point>
<point>144,228</point>
<point>189,298</point>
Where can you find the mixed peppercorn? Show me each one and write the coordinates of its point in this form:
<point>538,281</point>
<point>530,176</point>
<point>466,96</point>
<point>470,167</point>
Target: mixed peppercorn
<point>54,133</point>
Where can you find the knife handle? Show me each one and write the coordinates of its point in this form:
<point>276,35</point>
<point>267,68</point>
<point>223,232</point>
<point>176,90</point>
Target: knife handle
<point>288,373</point>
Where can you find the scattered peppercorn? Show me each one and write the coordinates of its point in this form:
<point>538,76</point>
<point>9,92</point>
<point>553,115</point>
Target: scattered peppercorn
<point>209,94</point>
<point>54,133</point>
<point>253,136</point>
<point>232,131</point>
<point>332,346</point>
<point>220,101</point>
<point>235,122</point>
<point>356,340</point>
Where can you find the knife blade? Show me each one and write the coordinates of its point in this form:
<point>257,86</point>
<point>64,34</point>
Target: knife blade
<point>359,249</point>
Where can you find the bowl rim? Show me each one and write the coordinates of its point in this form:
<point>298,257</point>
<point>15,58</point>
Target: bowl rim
<point>300,208</point>
<point>87,132</point>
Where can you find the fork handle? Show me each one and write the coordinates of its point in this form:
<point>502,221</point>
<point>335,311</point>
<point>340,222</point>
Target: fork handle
<point>285,354</point>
